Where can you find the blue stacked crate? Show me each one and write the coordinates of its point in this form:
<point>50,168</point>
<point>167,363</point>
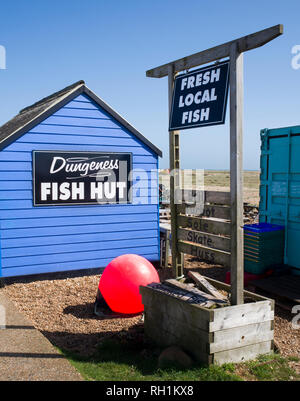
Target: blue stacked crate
<point>263,246</point>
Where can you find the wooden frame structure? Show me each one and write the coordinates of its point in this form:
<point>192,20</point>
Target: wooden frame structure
<point>234,50</point>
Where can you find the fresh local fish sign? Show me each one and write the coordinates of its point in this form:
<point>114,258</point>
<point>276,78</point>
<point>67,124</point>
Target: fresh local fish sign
<point>69,178</point>
<point>200,97</point>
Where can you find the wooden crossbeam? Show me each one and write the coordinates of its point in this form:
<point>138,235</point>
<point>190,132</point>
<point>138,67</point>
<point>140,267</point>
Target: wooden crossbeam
<point>245,43</point>
<point>212,226</point>
<point>205,239</point>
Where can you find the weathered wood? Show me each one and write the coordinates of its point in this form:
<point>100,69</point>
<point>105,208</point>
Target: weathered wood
<point>285,288</point>
<point>196,291</point>
<point>214,211</point>
<point>190,313</point>
<point>241,315</point>
<point>193,196</point>
<point>236,173</point>
<point>212,226</point>
<point>218,197</point>
<point>205,239</point>
<point>207,254</point>
<point>223,286</point>
<point>170,320</point>
<point>242,354</point>
<point>189,294</point>
<point>241,336</point>
<point>173,333</point>
<point>206,285</point>
<point>181,293</point>
<point>177,258</point>
<point>218,52</point>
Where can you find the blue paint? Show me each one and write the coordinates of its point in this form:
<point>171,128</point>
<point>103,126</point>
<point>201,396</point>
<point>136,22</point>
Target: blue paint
<point>39,240</point>
<point>280,186</point>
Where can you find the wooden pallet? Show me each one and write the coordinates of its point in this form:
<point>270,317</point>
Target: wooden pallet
<point>286,287</point>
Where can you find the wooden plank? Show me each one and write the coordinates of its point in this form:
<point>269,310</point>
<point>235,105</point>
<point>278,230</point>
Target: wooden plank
<point>184,332</point>
<point>181,293</point>
<point>241,336</point>
<point>194,196</point>
<point>236,174</point>
<point>241,315</point>
<point>174,157</point>
<point>191,293</point>
<point>212,226</point>
<point>259,317</point>
<point>190,288</point>
<point>183,337</point>
<point>219,197</point>
<point>206,285</point>
<point>226,287</point>
<point>187,312</point>
<point>207,254</point>
<point>214,211</point>
<point>218,52</point>
<point>242,354</point>
<point>285,287</point>
<point>205,239</point>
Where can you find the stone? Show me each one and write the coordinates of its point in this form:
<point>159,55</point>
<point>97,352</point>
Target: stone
<point>174,355</point>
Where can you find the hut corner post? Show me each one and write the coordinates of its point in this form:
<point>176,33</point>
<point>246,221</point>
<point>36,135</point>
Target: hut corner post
<point>174,156</point>
<point>236,175</point>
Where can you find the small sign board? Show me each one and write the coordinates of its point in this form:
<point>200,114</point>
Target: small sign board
<point>200,97</point>
<point>72,178</point>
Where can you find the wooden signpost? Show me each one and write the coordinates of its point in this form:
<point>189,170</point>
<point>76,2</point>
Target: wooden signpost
<point>202,231</point>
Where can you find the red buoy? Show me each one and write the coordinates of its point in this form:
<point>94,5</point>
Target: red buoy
<point>120,281</point>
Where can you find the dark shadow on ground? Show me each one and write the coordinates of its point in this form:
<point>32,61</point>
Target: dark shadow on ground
<point>86,344</point>
<point>51,276</point>
<point>86,311</point>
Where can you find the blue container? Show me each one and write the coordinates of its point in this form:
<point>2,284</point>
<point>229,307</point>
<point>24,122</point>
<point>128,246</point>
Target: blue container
<point>263,246</point>
<point>280,187</point>
<point>262,227</point>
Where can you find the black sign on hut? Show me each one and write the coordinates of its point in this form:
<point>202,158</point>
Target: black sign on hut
<point>68,178</point>
<point>200,97</point>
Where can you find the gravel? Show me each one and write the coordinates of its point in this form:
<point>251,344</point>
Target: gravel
<point>62,309</point>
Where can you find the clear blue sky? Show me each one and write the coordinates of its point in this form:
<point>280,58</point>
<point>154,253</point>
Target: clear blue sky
<point>51,44</point>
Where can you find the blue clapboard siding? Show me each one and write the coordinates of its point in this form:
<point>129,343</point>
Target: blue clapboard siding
<point>47,239</point>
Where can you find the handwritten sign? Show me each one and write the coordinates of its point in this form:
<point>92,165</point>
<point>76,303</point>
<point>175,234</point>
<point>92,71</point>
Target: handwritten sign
<point>70,178</point>
<point>200,97</point>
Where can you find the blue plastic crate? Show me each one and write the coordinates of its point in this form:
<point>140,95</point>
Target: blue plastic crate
<point>263,246</point>
<point>262,227</point>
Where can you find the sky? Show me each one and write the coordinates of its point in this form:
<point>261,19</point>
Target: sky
<point>110,45</point>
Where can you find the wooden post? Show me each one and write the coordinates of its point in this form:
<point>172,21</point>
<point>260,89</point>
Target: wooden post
<point>233,49</point>
<point>177,266</point>
<point>236,174</point>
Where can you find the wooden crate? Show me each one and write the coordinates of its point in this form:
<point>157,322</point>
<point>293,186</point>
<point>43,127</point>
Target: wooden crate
<point>212,336</point>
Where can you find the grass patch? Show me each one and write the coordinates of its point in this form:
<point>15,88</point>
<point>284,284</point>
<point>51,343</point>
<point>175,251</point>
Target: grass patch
<point>124,361</point>
<point>115,361</point>
<point>271,368</point>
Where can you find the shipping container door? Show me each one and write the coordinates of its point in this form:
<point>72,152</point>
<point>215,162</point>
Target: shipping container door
<point>280,190</point>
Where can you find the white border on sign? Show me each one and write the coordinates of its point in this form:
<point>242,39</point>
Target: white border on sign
<point>128,202</point>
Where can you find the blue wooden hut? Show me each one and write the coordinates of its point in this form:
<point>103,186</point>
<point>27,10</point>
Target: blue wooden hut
<point>56,212</point>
